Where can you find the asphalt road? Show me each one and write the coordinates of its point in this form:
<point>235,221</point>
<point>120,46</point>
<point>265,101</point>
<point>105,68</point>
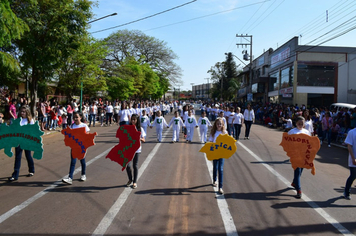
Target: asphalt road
<point>174,194</point>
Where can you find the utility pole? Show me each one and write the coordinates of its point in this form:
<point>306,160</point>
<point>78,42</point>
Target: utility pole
<point>247,38</point>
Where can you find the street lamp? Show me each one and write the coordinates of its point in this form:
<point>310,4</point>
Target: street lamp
<point>113,14</point>
<point>81,81</point>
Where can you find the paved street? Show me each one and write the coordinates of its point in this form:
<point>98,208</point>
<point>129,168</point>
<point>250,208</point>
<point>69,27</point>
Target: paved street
<point>175,195</point>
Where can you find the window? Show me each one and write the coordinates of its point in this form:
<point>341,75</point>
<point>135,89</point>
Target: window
<point>316,75</point>
<point>274,81</point>
<point>287,77</point>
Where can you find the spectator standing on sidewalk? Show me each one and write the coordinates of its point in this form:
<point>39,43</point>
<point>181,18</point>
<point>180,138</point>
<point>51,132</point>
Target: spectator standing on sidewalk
<point>12,110</point>
<point>327,123</point>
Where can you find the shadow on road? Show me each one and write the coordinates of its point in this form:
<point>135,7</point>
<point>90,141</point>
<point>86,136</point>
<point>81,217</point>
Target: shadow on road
<point>177,191</point>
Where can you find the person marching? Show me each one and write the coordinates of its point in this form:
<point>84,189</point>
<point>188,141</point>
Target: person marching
<point>237,121</point>
<point>77,117</point>
<point>124,114</point>
<point>25,114</point>
<point>203,124</point>
<point>190,123</point>
<point>145,121</point>
<point>135,120</point>
<point>249,117</point>
<point>177,122</point>
<point>218,165</point>
<point>300,123</point>
<point>159,122</point>
<point>351,146</point>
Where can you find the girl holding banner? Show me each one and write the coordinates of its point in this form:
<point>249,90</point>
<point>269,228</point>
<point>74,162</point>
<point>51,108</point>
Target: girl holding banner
<point>135,120</point>
<point>77,124</point>
<point>300,123</point>
<point>218,165</point>
<point>25,114</point>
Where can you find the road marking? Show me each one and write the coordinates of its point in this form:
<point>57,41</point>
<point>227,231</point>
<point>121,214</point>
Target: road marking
<point>114,210</point>
<point>226,216</point>
<point>26,203</point>
<point>312,204</point>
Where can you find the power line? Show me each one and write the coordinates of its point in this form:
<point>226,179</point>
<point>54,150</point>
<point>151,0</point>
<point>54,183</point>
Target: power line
<point>268,15</point>
<point>144,18</point>
<point>213,14</point>
<point>251,18</point>
<point>342,17</point>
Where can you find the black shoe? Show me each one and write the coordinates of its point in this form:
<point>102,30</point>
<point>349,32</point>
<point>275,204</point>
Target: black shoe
<point>299,194</point>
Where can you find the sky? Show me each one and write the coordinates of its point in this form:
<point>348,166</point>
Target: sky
<point>202,31</point>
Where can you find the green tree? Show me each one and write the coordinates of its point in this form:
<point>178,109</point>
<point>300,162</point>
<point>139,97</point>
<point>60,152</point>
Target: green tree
<point>224,76</point>
<point>11,28</point>
<point>84,65</point>
<point>55,30</point>
<point>121,79</point>
<point>145,49</point>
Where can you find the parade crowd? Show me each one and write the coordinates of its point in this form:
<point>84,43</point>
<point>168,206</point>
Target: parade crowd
<point>223,118</point>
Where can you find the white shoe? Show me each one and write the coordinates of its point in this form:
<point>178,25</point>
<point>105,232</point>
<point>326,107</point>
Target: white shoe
<point>215,183</point>
<point>221,191</point>
<point>83,178</point>
<point>67,181</point>
<point>329,145</point>
<point>321,142</point>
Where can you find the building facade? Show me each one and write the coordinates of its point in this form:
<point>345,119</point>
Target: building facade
<point>201,91</point>
<point>301,74</point>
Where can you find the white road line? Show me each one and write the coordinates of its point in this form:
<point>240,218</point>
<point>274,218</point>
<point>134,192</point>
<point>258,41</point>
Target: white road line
<point>26,203</point>
<point>114,210</point>
<point>312,204</point>
<point>226,216</point>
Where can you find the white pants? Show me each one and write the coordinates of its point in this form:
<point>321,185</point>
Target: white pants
<point>159,130</point>
<point>203,133</point>
<point>145,129</point>
<point>175,133</point>
<point>190,133</point>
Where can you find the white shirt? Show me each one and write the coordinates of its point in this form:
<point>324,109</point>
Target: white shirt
<point>351,140</point>
<point>191,121</point>
<point>249,115</point>
<point>238,117</point>
<point>159,122</point>
<point>93,110</point>
<point>109,109</point>
<point>176,121</point>
<point>124,115</point>
<point>309,126</point>
<point>290,124</point>
<point>145,121</point>
<point>74,126</point>
<point>204,121</point>
<point>143,135</point>
<point>298,131</point>
<point>217,133</point>
<point>230,117</point>
<point>24,121</point>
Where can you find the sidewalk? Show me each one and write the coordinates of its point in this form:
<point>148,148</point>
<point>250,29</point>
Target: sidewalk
<point>332,143</point>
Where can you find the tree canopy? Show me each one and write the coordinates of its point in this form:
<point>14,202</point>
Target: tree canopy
<point>224,77</point>
<point>143,48</point>
<point>11,28</point>
<point>55,30</point>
